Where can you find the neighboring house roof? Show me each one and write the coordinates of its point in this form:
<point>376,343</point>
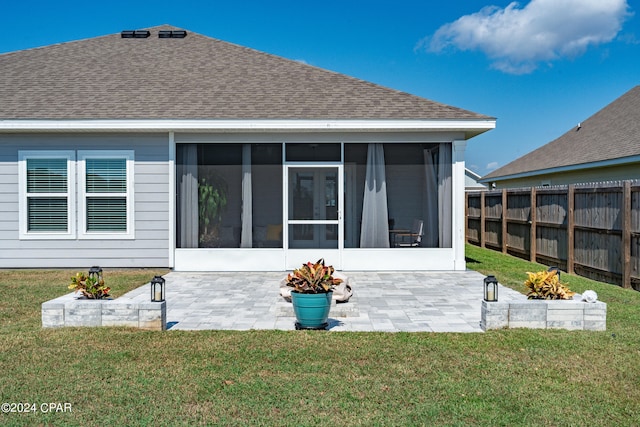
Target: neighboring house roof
<point>471,180</point>
<point>609,137</point>
<point>197,77</point>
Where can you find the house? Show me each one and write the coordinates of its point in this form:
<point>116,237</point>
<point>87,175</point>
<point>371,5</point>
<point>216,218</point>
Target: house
<point>471,181</point>
<point>165,148</point>
<point>605,147</point>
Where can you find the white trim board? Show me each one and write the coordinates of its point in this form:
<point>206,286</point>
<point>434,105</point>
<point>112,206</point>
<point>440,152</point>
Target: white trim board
<point>237,259</point>
<point>471,125</point>
<point>568,168</point>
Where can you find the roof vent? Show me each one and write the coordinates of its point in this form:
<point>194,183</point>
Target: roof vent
<point>172,34</point>
<point>135,34</point>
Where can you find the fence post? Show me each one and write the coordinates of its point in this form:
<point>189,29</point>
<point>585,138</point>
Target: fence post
<point>533,249</point>
<point>466,217</point>
<point>504,221</point>
<point>570,228</point>
<point>482,233</point>
<point>626,234</point>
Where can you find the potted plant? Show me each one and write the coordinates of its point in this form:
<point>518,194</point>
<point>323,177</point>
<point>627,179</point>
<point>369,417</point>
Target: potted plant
<point>546,285</point>
<point>312,288</point>
<point>212,201</point>
<point>91,286</point>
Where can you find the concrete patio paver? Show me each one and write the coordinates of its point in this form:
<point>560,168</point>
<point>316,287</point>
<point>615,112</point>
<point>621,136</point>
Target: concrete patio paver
<point>441,301</point>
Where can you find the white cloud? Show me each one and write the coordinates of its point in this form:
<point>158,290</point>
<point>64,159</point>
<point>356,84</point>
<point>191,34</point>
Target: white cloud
<point>518,38</point>
<point>491,166</point>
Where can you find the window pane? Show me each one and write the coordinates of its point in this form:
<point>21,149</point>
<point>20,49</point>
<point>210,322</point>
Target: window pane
<point>47,214</point>
<point>106,214</point>
<point>106,175</point>
<point>220,195</point>
<point>313,193</point>
<point>313,236</point>
<point>324,152</point>
<point>210,195</point>
<point>410,199</point>
<point>46,175</point>
<point>301,187</point>
<point>266,171</point>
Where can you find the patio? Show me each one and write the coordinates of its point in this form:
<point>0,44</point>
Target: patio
<point>382,302</point>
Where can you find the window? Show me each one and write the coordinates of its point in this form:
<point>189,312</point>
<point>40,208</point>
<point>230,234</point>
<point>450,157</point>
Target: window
<point>106,194</point>
<point>418,191</point>
<point>229,195</point>
<point>46,194</point>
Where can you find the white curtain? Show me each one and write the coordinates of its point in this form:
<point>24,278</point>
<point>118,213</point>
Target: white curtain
<point>444,194</point>
<point>188,203</point>
<point>374,231</point>
<point>438,169</point>
<point>431,223</point>
<point>246,238</point>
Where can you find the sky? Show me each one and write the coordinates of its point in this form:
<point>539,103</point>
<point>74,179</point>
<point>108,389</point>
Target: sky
<point>539,66</point>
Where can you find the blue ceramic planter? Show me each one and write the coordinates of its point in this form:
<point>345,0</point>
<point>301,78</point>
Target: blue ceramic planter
<point>311,310</point>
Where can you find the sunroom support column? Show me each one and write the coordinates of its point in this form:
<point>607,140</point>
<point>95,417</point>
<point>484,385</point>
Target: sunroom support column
<point>172,199</point>
<point>457,201</point>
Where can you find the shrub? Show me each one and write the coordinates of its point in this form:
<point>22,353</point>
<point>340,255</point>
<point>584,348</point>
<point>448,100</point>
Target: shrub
<point>546,285</point>
<point>91,287</point>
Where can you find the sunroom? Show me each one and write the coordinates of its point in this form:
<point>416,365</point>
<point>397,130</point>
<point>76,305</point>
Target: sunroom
<point>258,203</point>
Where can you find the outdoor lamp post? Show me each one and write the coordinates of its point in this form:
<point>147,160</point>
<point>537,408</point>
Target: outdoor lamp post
<point>157,289</point>
<point>490,289</point>
<point>556,269</point>
<point>95,272</point>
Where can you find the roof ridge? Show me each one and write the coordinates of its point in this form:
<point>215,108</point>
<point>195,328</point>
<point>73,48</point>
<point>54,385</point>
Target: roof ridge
<point>155,27</point>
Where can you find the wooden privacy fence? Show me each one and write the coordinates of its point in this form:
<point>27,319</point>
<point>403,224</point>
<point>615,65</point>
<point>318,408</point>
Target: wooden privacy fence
<point>589,229</point>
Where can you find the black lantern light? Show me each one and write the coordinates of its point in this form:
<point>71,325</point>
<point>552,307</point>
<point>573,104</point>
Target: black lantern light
<point>157,289</point>
<point>95,272</point>
<point>490,289</point>
<point>557,270</point>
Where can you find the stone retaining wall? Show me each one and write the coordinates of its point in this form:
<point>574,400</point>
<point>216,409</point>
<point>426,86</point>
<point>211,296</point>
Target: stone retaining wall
<point>67,310</point>
<point>545,314</point>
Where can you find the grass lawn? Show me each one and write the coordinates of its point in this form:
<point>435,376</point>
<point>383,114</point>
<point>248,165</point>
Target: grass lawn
<point>120,376</point>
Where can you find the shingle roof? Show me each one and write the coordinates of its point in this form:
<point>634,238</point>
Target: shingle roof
<point>197,77</point>
<point>611,133</point>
